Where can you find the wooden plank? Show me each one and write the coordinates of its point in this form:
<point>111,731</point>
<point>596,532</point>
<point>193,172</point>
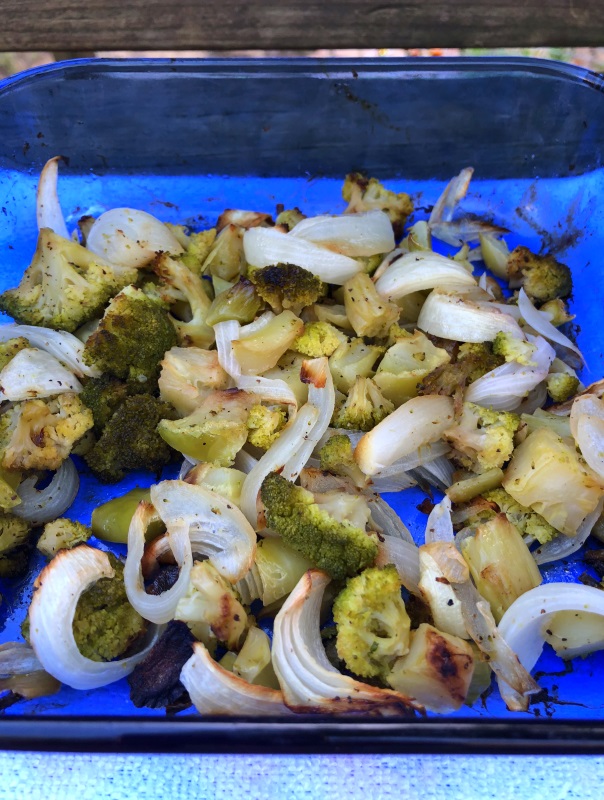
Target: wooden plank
<point>73,25</point>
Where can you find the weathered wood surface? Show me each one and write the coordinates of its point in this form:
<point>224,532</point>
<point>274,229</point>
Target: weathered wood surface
<point>72,25</point>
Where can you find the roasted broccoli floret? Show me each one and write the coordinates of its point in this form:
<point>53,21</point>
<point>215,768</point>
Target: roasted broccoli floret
<point>240,302</point>
<point>188,313</point>
<point>289,217</point>
<point>368,313</point>
<point>105,625</point>
<point>264,425</point>
<point>14,546</point>
<point>364,194</point>
<point>211,603</point>
<point>525,519</point>
<point>543,277</point>
<point>319,339</point>
<point>64,286</point>
<point>197,248</point>
<point>62,534</point>
<point>373,627</point>
<point>287,286</point>
<point>339,548</point>
<point>39,434</point>
<point>104,396</point>
<point>561,386</point>
<point>483,438</point>
<point>131,339</point>
<point>478,358</point>
<point>130,440</point>
<point>513,349</point>
<point>337,456</point>
<point>10,348</point>
<point>215,431</point>
<point>364,407</point>
<point>351,360</point>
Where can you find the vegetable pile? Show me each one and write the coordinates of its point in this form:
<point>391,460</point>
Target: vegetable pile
<point>296,368</point>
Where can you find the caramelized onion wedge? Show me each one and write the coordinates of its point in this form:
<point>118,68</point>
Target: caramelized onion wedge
<point>48,207</point>
<point>215,690</point>
<point>157,608</point>
<point>308,681</point>
<point>525,623</point>
<point>218,528</point>
<point>56,593</point>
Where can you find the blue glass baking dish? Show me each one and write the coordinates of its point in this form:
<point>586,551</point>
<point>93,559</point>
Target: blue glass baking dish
<point>185,139</point>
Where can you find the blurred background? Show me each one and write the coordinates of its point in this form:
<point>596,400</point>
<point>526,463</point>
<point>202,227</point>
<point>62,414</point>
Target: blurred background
<point>588,57</point>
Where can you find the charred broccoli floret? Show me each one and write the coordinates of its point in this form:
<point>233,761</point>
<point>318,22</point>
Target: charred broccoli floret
<point>104,396</point>
<point>513,349</point>
<point>131,339</point>
<point>483,438</point>
<point>14,546</point>
<point>319,339</point>
<point>105,625</point>
<point>339,548</point>
<point>130,440</point>
<point>364,194</point>
<point>287,286</point>
<point>364,407</point>
<point>543,277</point>
<point>62,534</point>
<point>264,425</point>
<point>40,434</point>
<point>561,386</point>
<point>64,286</point>
<point>10,348</point>
<point>373,627</point>
<point>240,302</point>
<point>337,456</point>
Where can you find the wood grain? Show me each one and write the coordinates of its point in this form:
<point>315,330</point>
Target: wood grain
<point>74,25</point>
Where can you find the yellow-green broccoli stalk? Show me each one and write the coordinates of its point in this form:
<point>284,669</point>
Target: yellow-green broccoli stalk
<point>289,218</point>
<point>105,625</point>
<point>513,349</point>
<point>543,277</point>
<point>14,546</point>
<point>62,534</point>
<point>39,434</point>
<point>373,627</point>
<point>240,302</point>
<point>130,440</point>
<point>131,339</point>
<point>188,314</point>
<point>337,456</point>
<point>561,386</point>
<point>226,259</point>
<point>339,548</point>
<point>287,286</point>
<point>483,438</point>
<point>64,286</point>
<point>363,194</point>
<point>10,348</point>
<point>264,425</point>
<point>368,313</point>
<point>351,360</point>
<point>364,407</point>
<point>319,339</point>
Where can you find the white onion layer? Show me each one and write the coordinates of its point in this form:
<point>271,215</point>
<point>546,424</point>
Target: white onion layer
<point>417,271</point>
<point>64,346</point>
<point>56,593</point>
<point>563,546</point>
<point>364,234</point>
<point>452,316</point>
<point>39,506</point>
<point>128,237</point>
<point>35,373</point>
<point>48,207</point>
<point>539,322</point>
<point>587,428</point>
<point>439,527</point>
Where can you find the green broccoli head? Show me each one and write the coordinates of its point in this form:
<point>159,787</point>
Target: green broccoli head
<point>364,407</point>
<point>339,548</point>
<point>337,456</point>
<point>130,440</point>
<point>105,625</point>
<point>14,546</point>
<point>543,277</point>
<point>197,248</point>
<point>131,339</point>
<point>483,438</point>
<point>287,286</point>
<point>373,627</point>
<point>365,194</point>
<point>240,302</point>
<point>64,286</point>
<point>319,339</point>
<point>10,348</point>
<point>561,386</point>
<point>264,425</point>
<point>40,434</point>
<point>513,349</point>
<point>528,522</point>
<point>478,358</point>
<point>62,534</point>
<point>103,396</point>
